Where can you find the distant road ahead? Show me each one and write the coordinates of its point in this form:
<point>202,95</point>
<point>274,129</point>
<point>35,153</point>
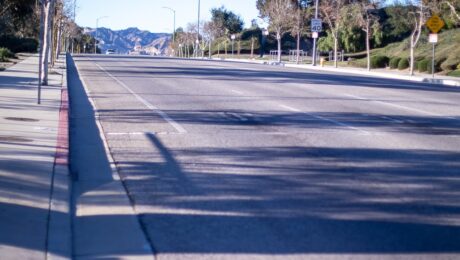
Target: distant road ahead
<point>231,160</point>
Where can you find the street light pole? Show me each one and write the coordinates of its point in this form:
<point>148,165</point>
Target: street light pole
<point>95,38</point>
<point>314,39</point>
<point>198,30</point>
<point>174,23</point>
<point>74,15</point>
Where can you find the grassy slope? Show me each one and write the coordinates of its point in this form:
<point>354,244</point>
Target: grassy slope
<point>447,49</point>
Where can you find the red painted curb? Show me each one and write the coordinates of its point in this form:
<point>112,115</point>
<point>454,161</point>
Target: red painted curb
<point>62,146</point>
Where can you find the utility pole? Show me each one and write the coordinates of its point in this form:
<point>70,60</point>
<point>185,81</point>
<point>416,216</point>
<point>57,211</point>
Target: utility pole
<point>74,15</point>
<point>95,38</point>
<point>174,23</point>
<point>198,31</point>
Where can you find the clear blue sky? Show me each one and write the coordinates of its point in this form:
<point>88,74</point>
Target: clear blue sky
<point>149,14</point>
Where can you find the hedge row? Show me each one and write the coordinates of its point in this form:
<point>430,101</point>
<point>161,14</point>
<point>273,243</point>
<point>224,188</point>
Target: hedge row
<point>379,62</point>
<point>394,62</point>
<point>16,45</point>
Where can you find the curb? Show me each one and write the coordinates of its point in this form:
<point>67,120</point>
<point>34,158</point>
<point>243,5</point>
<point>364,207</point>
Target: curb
<point>144,250</point>
<point>447,82</point>
<point>435,81</point>
<point>59,245</point>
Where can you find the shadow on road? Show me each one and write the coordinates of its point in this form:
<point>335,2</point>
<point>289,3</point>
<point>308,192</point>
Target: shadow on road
<point>263,74</point>
<point>306,200</point>
<point>425,125</point>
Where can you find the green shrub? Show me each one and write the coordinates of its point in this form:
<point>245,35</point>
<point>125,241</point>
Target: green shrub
<point>422,66</point>
<point>5,54</point>
<point>403,64</point>
<point>455,73</point>
<point>437,65</point>
<point>394,62</point>
<point>360,63</point>
<point>379,62</point>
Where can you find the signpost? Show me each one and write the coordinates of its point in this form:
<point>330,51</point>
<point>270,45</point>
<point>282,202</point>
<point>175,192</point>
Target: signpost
<point>316,28</point>
<point>316,25</point>
<point>435,24</point>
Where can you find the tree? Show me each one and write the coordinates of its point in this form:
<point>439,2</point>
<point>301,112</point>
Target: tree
<point>418,20</point>
<point>447,8</point>
<point>454,6</point>
<point>228,20</point>
<point>299,23</point>
<point>334,14</point>
<point>19,18</point>
<point>47,11</point>
<point>278,13</point>
<point>365,16</point>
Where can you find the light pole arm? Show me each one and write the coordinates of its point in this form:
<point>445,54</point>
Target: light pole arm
<point>174,22</point>
<point>95,38</point>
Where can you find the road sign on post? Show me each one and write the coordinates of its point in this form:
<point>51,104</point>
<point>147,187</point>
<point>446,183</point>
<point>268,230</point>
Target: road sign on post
<point>435,24</point>
<point>316,25</point>
<point>433,38</point>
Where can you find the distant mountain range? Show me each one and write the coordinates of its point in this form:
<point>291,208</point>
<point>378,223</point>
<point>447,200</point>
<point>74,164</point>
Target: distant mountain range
<point>131,40</point>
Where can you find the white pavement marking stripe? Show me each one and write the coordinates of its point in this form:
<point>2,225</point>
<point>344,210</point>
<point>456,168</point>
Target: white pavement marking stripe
<point>236,92</point>
<point>398,106</point>
<point>132,133</point>
<point>238,116</point>
<point>326,119</point>
<point>165,116</point>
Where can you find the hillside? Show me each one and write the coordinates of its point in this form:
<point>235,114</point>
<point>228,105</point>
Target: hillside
<point>125,41</point>
<point>447,50</point>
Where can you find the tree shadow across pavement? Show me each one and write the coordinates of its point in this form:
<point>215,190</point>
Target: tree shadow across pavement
<point>296,200</point>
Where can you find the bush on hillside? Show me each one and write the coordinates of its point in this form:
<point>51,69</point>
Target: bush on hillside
<point>360,63</point>
<point>437,65</point>
<point>422,65</point>
<point>379,62</point>
<point>5,54</point>
<point>403,64</point>
<point>449,65</point>
<point>394,62</point>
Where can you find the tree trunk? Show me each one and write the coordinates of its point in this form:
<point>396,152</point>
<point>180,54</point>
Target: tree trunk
<point>336,46</point>
<point>298,47</point>
<point>252,47</point>
<point>46,46</point>
<point>368,47</point>
<point>412,47</point>
<point>59,40</point>
<point>239,48</point>
<point>210,46</point>
<point>225,49</point>
<point>278,38</point>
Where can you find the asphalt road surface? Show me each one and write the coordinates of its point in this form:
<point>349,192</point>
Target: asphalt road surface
<point>232,160</point>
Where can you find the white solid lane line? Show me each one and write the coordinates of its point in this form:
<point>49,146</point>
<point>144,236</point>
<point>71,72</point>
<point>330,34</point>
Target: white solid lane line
<point>237,92</point>
<point>326,119</point>
<point>165,116</point>
<point>398,106</point>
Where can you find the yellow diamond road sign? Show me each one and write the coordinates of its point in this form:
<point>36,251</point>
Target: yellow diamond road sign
<point>435,23</point>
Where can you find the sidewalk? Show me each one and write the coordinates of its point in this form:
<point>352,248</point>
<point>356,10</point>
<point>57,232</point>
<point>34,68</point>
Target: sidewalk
<point>34,184</point>
<point>381,73</point>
